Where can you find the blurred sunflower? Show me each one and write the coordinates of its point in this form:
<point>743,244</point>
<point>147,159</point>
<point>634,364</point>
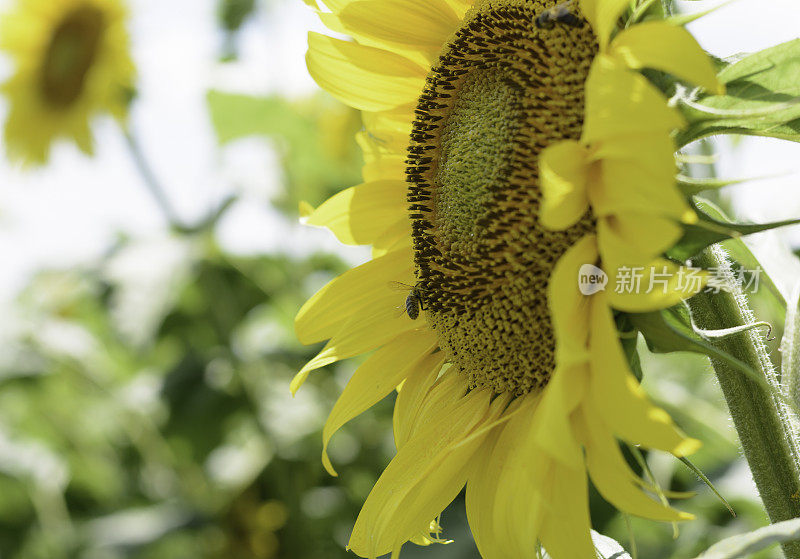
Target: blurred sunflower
<point>72,61</point>
<point>507,144</point>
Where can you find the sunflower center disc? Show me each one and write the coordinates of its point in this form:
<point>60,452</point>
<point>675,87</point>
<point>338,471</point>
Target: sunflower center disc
<point>501,91</point>
<point>69,56</point>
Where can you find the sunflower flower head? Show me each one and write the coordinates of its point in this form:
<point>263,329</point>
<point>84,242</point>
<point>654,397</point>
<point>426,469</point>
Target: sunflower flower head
<point>72,61</point>
<point>507,144</point>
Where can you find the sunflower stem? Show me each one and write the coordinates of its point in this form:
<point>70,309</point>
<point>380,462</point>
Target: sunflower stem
<point>151,182</point>
<point>763,422</point>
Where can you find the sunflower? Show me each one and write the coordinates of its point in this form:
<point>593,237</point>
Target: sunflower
<point>507,144</point>
<point>72,61</point>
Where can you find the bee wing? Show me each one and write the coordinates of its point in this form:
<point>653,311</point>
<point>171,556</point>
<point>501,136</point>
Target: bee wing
<point>399,286</point>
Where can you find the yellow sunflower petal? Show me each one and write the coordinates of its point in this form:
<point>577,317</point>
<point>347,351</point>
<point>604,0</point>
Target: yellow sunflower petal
<point>358,288</point>
<point>374,379</point>
<point>390,129</point>
<point>637,173</point>
<point>569,309</point>
<point>443,482</point>
<point>363,77</point>
<point>611,474</point>
<point>486,514</point>
<point>663,46</point>
<point>396,236</point>
<point>460,7</point>
<point>360,214</point>
<point>635,239</point>
<point>566,530</point>
<point>358,335</point>
<point>617,395</point>
<point>552,430</point>
<point>603,16</point>
<point>620,102</point>
<point>658,284</point>
<point>480,499</point>
<point>54,97</point>
<point>516,466</point>
<point>409,401</point>
<point>563,173</point>
<point>433,451</point>
<point>384,168</point>
<point>415,24</point>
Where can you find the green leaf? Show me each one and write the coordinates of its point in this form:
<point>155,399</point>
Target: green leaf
<point>236,116</point>
<point>233,13</point>
<point>739,253</point>
<point>709,230</point>
<point>685,19</point>
<point>790,348</point>
<point>691,186</point>
<point>774,304</point>
<point>699,473</point>
<point>629,338</point>
<point>762,98</point>
<point>743,545</point>
<point>671,330</point>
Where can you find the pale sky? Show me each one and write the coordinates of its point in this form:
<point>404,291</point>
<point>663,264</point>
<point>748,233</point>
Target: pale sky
<point>70,211</point>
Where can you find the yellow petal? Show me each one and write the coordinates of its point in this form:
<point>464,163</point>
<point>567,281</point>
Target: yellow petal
<point>360,214</point>
<point>375,378</point>
<point>603,16</point>
<point>611,474</point>
<point>444,481</point>
<point>396,236</point>
<point>363,77</point>
<point>563,172</point>
<point>460,7</point>
<point>620,102</point>
<point>566,530</point>
<point>384,168</point>
<point>391,130</point>
<point>418,383</point>
<point>337,6</point>
<point>480,499</point>
<point>635,239</point>
<point>658,284</point>
<point>415,24</point>
<point>445,393</point>
<point>637,173</point>
<point>519,466</point>
<point>374,150</point>
<point>432,454</point>
<point>617,395</point>
<point>304,209</point>
<point>361,333</point>
<point>552,429</point>
<point>569,308</point>
<point>669,48</point>
<point>360,288</point>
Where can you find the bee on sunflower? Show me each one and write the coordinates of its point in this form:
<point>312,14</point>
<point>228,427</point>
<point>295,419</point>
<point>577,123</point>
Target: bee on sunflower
<point>507,144</point>
<point>72,62</point>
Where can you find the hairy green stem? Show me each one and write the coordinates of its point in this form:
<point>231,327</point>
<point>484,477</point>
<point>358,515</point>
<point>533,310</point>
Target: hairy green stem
<point>763,422</point>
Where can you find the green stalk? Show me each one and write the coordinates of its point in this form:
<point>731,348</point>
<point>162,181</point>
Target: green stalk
<point>763,422</point>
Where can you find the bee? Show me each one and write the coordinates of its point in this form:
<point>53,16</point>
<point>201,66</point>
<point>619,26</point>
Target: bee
<point>559,13</point>
<point>414,302</point>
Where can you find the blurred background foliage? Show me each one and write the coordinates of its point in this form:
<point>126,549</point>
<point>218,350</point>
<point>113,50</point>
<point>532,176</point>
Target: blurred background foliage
<point>145,408</point>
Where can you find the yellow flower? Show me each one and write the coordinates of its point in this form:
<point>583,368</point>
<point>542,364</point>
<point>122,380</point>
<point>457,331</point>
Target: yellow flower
<point>480,120</point>
<point>72,61</point>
